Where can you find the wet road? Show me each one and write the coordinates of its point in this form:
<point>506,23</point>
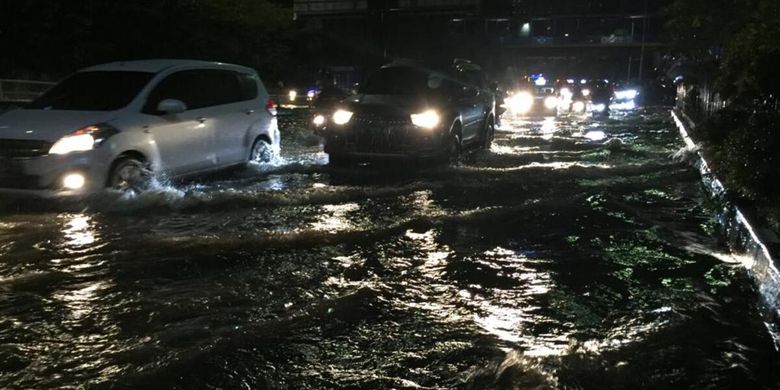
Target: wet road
<point>574,254</point>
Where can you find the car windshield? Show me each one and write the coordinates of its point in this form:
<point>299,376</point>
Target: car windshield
<point>93,91</point>
<point>405,81</point>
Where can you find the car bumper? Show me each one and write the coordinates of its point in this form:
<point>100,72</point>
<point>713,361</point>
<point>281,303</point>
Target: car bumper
<point>412,143</point>
<point>42,176</point>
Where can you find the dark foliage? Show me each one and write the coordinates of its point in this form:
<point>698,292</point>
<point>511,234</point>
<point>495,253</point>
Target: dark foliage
<point>54,37</point>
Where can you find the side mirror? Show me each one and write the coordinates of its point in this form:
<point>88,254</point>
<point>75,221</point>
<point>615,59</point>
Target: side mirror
<point>171,106</point>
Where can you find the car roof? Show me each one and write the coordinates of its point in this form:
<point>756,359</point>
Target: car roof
<point>159,65</point>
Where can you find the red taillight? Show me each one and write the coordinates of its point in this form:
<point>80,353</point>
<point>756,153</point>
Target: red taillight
<point>270,106</point>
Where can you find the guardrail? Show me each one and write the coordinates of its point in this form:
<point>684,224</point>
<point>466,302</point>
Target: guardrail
<point>12,90</point>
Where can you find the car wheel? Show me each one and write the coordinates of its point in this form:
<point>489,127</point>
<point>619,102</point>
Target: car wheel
<point>489,133</point>
<point>452,153</point>
<point>261,151</point>
<point>130,175</point>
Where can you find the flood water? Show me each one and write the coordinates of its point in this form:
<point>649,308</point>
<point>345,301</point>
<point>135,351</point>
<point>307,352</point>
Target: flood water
<point>575,254</point>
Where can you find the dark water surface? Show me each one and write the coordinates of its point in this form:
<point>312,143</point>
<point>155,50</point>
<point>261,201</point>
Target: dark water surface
<point>575,254</point>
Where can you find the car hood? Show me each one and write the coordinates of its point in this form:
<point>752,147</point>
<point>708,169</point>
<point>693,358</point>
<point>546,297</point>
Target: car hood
<point>391,104</point>
<point>48,125</point>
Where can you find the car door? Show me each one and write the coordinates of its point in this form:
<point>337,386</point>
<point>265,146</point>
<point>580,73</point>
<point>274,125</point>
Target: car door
<point>470,107</point>
<point>183,140</point>
<point>236,109</point>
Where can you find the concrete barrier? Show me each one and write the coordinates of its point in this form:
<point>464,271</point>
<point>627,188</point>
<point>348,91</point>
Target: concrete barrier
<point>742,237</point>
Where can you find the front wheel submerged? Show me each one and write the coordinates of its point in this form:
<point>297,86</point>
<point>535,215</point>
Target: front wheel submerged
<point>262,152</point>
<point>130,175</point>
<point>452,152</point>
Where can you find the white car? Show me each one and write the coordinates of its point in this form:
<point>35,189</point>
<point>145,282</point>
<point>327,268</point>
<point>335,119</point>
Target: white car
<point>116,125</point>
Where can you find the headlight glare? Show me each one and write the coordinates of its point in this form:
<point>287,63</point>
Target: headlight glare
<point>521,102</point>
<point>342,117</point>
<point>426,119</point>
<point>83,139</point>
<point>551,102</point>
<point>73,143</point>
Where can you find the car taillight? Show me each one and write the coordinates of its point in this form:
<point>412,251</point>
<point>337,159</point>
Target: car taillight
<point>270,106</point>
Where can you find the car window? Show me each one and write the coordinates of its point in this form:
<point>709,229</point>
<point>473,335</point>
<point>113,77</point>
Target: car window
<point>183,86</point>
<point>248,84</point>
<point>407,81</point>
<point>93,91</point>
<point>220,87</point>
<point>203,88</point>
<point>472,77</point>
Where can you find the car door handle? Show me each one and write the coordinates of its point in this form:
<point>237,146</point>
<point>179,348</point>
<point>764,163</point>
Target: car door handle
<point>249,112</point>
<point>201,119</point>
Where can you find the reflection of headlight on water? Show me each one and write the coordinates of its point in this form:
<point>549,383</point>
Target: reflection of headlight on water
<point>596,135</point>
<point>578,107</point>
<point>599,107</point>
<point>551,102</point>
<point>521,102</point>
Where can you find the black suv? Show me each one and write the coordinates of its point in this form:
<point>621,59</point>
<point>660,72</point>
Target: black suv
<point>406,110</point>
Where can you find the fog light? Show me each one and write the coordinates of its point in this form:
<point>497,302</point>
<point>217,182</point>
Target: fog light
<point>73,181</point>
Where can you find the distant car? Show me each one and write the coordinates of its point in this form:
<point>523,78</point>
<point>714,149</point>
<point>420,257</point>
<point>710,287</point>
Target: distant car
<point>407,110</point>
<point>533,100</point>
<point>574,99</point>
<point>116,125</point>
<point>601,95</point>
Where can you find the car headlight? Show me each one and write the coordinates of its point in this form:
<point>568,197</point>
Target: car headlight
<point>551,102</point>
<point>292,95</point>
<point>578,106</point>
<point>82,140</point>
<point>521,102</point>
<point>341,117</point>
<point>427,119</point>
<point>318,120</point>
<point>586,92</point>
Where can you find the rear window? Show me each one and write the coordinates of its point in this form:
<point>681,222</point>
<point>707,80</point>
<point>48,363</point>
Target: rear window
<point>407,81</point>
<point>93,91</point>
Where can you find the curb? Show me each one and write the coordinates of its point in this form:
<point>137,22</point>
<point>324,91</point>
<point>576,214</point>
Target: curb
<point>738,231</point>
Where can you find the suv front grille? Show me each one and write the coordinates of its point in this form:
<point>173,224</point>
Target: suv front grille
<point>14,148</point>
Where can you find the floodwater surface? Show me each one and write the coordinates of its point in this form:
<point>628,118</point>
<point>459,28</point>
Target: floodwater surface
<point>575,253</point>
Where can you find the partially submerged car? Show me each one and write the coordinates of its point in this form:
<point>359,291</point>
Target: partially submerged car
<point>407,110</point>
<point>116,125</point>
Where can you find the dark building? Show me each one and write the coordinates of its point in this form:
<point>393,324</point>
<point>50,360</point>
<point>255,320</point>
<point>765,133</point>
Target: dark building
<point>617,39</point>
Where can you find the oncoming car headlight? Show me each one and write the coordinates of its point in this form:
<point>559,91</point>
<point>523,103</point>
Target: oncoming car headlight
<point>83,139</point>
<point>342,117</point>
<point>521,102</point>
<point>551,102</point>
<point>427,119</point>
